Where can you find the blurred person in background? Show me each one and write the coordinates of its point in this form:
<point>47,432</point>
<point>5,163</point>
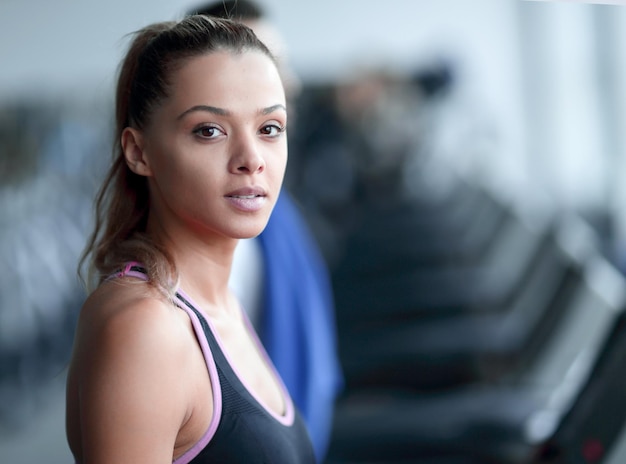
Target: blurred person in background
<point>160,374</point>
<point>281,276</point>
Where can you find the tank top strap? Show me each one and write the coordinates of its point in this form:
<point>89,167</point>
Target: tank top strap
<point>231,378</point>
<point>130,269</point>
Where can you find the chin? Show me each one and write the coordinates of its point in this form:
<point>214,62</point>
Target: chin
<point>250,232</point>
<point>243,236</point>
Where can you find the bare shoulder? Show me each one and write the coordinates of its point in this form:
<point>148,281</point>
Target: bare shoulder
<point>127,324</point>
<point>127,311</point>
<point>128,361</point>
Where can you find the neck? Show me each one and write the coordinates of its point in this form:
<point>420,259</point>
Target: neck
<point>203,266</point>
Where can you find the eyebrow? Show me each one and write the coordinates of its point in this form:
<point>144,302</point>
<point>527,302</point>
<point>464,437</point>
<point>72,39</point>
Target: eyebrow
<point>271,109</point>
<point>223,112</point>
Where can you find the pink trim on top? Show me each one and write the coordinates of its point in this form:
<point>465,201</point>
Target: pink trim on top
<point>192,452</point>
<point>286,419</point>
<point>127,272</point>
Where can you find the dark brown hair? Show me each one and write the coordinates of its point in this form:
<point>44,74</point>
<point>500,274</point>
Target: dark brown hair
<point>239,10</point>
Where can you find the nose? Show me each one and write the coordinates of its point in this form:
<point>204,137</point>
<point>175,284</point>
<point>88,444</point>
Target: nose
<point>246,156</point>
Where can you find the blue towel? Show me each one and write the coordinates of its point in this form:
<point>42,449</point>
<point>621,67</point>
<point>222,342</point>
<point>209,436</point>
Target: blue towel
<point>298,328</point>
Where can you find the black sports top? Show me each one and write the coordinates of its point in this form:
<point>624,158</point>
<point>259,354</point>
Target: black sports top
<point>242,429</point>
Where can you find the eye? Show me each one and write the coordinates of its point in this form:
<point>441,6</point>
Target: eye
<point>272,130</point>
<point>208,132</point>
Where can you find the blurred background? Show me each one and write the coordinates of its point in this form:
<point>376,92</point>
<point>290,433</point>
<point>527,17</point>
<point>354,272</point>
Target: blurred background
<point>461,165</point>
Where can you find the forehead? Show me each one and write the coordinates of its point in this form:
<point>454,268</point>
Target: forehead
<point>227,79</point>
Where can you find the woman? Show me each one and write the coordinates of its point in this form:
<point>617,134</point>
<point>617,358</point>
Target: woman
<point>166,366</point>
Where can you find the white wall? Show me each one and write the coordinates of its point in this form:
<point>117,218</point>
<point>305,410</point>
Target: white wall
<point>564,101</point>
<point>56,45</point>
<point>47,47</point>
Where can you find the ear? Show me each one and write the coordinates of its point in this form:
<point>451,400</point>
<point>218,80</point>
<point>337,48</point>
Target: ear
<point>133,147</point>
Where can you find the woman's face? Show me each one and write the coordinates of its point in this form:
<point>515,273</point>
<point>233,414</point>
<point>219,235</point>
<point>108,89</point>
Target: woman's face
<point>216,149</point>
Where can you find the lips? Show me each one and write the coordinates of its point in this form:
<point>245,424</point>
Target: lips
<point>247,192</point>
<point>248,199</point>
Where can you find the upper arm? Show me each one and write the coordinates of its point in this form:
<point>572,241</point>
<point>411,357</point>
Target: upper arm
<point>130,391</point>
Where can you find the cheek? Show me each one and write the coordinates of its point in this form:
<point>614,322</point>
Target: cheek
<point>276,174</point>
<point>165,171</point>
<point>279,163</point>
<point>188,179</point>
<point>173,176</point>
<point>175,162</point>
